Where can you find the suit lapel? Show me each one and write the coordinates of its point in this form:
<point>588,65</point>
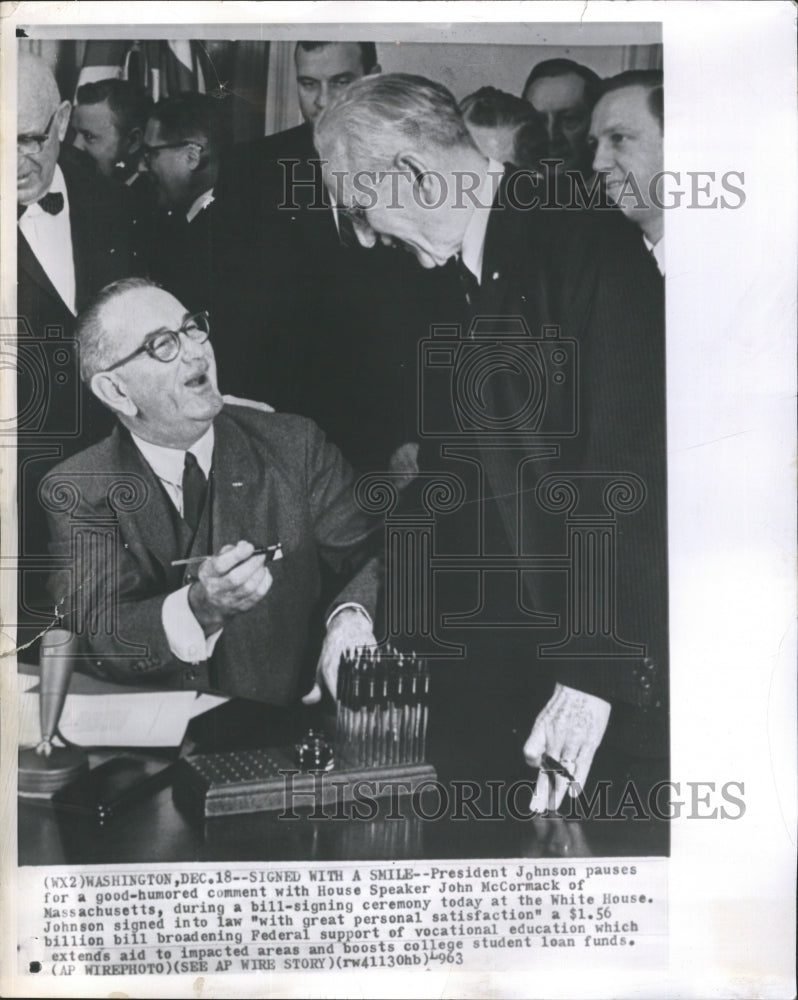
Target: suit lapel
<point>513,267</point>
<point>239,510</point>
<point>84,231</point>
<point>150,528</point>
<point>29,262</point>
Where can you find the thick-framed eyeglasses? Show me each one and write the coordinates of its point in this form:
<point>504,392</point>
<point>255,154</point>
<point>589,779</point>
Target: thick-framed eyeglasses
<point>31,145</point>
<point>164,345</point>
<point>147,152</point>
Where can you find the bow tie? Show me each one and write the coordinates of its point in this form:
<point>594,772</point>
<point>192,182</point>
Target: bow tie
<point>52,203</point>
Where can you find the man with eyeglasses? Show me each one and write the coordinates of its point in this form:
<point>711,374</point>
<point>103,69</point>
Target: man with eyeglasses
<point>73,237</point>
<point>399,158</point>
<point>73,233</point>
<point>204,479</point>
<point>183,140</point>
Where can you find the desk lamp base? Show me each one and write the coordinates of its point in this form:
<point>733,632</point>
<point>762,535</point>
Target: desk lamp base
<point>42,773</point>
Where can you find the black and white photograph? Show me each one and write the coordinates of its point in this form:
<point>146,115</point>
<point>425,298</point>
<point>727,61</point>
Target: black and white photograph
<point>396,530</point>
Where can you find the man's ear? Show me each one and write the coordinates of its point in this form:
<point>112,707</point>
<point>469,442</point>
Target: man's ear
<point>427,182</point>
<point>62,119</point>
<point>133,142</point>
<point>110,390</point>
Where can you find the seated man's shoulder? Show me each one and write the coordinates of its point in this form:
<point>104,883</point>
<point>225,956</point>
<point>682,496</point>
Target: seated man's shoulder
<point>98,456</point>
<point>86,476</point>
<point>287,429</point>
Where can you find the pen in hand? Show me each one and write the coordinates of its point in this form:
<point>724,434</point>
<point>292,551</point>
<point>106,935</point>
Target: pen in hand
<point>272,553</point>
<point>550,764</point>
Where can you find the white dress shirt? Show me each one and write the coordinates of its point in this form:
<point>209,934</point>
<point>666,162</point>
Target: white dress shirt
<point>199,204</point>
<point>473,246</point>
<point>50,239</point>
<point>657,251</point>
<point>185,635</point>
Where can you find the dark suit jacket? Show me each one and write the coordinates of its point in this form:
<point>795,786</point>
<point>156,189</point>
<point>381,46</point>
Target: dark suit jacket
<point>188,259</point>
<point>102,252</point>
<point>68,417</point>
<point>588,273</point>
<point>308,324</point>
<point>274,479</point>
<point>101,247</point>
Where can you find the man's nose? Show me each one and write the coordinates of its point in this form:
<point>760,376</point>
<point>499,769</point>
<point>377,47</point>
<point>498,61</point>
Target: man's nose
<point>322,96</point>
<point>78,141</point>
<point>602,161</point>
<point>552,127</point>
<point>191,349</point>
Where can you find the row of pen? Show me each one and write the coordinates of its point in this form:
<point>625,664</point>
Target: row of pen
<point>383,705</point>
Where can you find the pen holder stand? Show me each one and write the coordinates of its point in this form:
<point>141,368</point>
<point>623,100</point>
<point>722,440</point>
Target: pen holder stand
<point>379,749</point>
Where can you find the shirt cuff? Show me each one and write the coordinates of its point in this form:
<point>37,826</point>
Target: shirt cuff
<point>185,635</point>
<point>355,607</point>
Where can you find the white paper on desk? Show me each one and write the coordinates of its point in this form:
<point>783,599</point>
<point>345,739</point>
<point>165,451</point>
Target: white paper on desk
<point>108,715</point>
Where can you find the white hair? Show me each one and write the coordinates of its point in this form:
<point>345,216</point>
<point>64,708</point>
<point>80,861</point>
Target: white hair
<point>36,83</point>
<point>377,114</point>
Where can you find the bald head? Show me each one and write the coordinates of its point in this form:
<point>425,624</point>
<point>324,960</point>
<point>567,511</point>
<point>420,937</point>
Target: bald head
<point>42,120</point>
<point>36,86</point>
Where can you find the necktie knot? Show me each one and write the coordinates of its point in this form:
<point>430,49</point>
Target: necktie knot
<point>194,490</point>
<point>52,203</point>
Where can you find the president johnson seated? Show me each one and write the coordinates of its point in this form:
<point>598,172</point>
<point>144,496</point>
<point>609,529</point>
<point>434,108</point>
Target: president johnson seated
<point>185,475</point>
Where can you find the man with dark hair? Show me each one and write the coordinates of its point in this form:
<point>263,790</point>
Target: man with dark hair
<point>626,134</point>
<point>564,92</point>
<point>108,122</point>
<point>505,128</point>
<point>208,482</point>
<point>280,169</point>
<point>181,152</point>
<point>323,69</point>
<point>397,157</point>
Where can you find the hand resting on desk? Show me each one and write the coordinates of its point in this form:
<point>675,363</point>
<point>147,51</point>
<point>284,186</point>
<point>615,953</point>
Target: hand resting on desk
<point>347,629</point>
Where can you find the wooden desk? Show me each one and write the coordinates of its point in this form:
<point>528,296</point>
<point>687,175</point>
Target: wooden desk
<point>154,830</point>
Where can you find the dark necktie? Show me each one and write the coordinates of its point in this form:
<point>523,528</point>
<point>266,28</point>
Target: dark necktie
<point>194,488</point>
<point>468,281</point>
<point>52,203</point>
<point>346,230</point>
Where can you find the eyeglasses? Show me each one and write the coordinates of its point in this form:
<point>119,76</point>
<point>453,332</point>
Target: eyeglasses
<point>146,152</point>
<point>31,145</point>
<point>164,345</point>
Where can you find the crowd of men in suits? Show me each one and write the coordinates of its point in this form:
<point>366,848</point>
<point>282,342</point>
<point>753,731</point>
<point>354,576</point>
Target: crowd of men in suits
<point>276,251</point>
